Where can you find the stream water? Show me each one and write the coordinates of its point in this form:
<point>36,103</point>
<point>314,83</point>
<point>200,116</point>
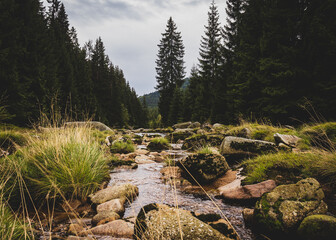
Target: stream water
<point>153,190</point>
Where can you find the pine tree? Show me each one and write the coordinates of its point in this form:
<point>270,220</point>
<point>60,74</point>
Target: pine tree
<point>209,64</point>
<point>170,67</point>
<point>175,108</point>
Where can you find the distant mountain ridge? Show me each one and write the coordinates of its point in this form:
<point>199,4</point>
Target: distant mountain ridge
<point>152,99</point>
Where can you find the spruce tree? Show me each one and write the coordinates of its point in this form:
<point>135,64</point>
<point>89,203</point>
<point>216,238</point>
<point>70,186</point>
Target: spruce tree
<point>169,67</point>
<point>209,64</point>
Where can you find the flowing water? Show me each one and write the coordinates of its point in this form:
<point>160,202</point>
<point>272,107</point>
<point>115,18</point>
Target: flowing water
<point>153,190</point>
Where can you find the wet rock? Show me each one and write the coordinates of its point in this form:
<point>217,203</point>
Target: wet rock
<point>141,152</point>
<point>289,140</point>
<point>182,125</point>
<point>282,210</point>
<point>237,148</point>
<point>117,229</point>
<point>103,216</point>
<point>197,141</point>
<point>248,192</point>
<point>248,216</point>
<point>143,159</point>
<point>163,221</point>
<point>95,125</point>
<point>127,191</point>
<point>318,227</point>
<point>204,168</point>
<point>115,205</point>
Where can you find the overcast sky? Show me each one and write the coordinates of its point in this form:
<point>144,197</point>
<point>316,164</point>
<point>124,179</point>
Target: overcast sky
<point>131,30</point>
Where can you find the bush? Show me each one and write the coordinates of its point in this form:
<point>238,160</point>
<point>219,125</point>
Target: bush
<point>122,147</point>
<point>65,163</point>
<point>292,166</point>
<point>158,144</point>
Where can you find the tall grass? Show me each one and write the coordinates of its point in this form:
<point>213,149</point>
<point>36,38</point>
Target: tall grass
<point>65,163</point>
<point>318,164</point>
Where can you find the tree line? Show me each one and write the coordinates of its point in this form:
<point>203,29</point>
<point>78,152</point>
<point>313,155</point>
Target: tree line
<point>270,61</point>
<point>42,66</point>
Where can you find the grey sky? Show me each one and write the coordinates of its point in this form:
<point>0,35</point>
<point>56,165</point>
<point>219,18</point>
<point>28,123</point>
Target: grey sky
<point>131,30</point>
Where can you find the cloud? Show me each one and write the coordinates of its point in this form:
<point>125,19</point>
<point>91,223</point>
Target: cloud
<point>131,30</point>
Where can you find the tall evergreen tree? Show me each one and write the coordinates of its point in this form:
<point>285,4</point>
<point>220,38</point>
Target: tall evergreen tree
<point>169,67</point>
<point>209,64</point>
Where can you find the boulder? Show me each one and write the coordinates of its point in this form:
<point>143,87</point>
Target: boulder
<point>237,148</point>
<point>289,140</point>
<point>143,159</point>
<point>101,216</point>
<point>182,125</point>
<point>282,210</point>
<point>199,140</point>
<point>127,191</point>
<point>318,227</point>
<point>115,205</point>
<point>171,223</point>
<point>141,152</point>
<point>95,125</point>
<point>248,192</point>
<point>204,168</point>
<point>79,238</point>
<point>180,134</point>
<point>208,127</point>
<point>194,125</point>
<point>118,229</point>
<point>218,126</point>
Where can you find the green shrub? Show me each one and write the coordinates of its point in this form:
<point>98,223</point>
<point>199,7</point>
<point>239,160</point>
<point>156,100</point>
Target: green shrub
<point>291,166</point>
<point>65,163</point>
<point>122,147</point>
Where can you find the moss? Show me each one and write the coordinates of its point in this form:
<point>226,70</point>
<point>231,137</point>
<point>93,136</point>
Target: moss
<point>199,140</point>
<point>320,227</point>
<point>122,147</point>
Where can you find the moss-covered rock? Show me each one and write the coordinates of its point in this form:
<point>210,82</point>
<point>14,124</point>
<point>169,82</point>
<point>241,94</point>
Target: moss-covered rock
<point>199,140</point>
<point>282,210</point>
<point>180,134</point>
<point>158,144</point>
<point>170,223</point>
<point>318,227</point>
<point>182,125</point>
<point>236,148</point>
<point>204,167</point>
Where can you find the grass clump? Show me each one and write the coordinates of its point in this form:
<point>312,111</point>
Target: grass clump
<point>11,227</point>
<point>158,144</point>
<point>11,138</point>
<point>122,147</point>
<point>258,131</point>
<point>321,135</point>
<point>292,166</point>
<point>61,163</point>
<point>205,150</point>
<point>100,136</point>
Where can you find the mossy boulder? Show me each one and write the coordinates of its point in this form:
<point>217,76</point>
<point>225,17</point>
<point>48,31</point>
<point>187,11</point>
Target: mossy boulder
<point>182,125</point>
<point>171,223</point>
<point>318,227</point>
<point>92,124</point>
<point>180,134</point>
<point>281,211</point>
<point>198,140</point>
<point>158,144</point>
<point>204,168</point>
<point>237,148</point>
